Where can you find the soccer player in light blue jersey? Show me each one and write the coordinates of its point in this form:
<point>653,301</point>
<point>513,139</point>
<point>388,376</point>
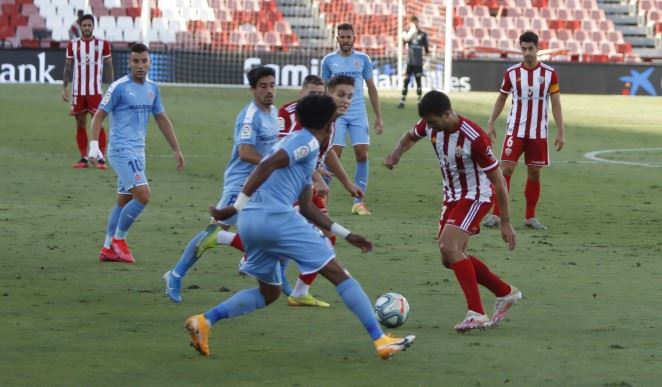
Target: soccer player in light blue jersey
<point>347,61</point>
<point>255,132</point>
<point>272,229</point>
<point>130,101</point>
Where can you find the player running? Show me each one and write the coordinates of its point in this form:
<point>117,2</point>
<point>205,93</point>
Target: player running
<point>468,168</point>
<point>256,131</point>
<point>272,229</point>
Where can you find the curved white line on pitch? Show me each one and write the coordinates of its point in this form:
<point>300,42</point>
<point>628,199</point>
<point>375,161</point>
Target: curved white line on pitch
<point>594,156</point>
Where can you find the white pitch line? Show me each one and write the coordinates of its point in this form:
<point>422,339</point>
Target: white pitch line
<point>594,156</point>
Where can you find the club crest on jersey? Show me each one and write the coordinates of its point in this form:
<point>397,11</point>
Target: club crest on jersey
<point>301,152</point>
<point>459,151</point>
<point>246,132</point>
<point>357,64</point>
<point>150,95</point>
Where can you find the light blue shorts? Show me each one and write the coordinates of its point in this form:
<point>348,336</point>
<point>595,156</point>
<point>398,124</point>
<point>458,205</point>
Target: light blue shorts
<point>269,237</point>
<point>129,165</point>
<point>357,127</point>
<point>227,199</point>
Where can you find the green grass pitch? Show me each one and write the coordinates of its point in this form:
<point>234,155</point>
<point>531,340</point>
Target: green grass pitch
<point>591,284</point>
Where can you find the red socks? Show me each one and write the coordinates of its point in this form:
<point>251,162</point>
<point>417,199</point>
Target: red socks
<point>496,211</point>
<point>466,276</point>
<point>81,141</point>
<point>488,279</point>
<point>102,141</point>
<point>237,244</point>
<point>532,194</point>
<point>308,278</point>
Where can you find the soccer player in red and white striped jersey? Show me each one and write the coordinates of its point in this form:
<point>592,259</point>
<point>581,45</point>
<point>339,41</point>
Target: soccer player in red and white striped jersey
<point>469,171</point>
<point>533,85</point>
<point>88,57</point>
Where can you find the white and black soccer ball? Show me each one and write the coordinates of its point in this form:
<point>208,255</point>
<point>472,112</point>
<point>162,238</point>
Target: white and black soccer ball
<point>391,309</point>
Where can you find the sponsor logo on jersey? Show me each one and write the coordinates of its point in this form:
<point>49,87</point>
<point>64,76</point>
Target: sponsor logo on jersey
<point>106,97</point>
<point>459,151</point>
<point>313,144</point>
<point>246,132</point>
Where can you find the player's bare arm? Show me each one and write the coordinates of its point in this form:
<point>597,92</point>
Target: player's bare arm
<point>315,216</point>
<point>168,131</point>
<point>374,101</point>
<point>558,119</point>
<point>108,69</point>
<point>321,188</point>
<point>335,166</point>
<point>249,154</point>
<point>496,112</point>
<point>407,140</point>
<point>507,231</point>
<point>65,79</point>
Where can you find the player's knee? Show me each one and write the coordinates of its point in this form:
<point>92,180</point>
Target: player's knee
<point>448,252</point>
<point>270,293</point>
<point>534,173</point>
<point>142,195</point>
<point>361,155</point>
<point>507,169</point>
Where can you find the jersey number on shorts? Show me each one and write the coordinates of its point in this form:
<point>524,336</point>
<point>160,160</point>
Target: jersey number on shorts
<point>136,165</point>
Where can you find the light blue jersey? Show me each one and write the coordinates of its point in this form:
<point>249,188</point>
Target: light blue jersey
<point>271,228</point>
<point>282,189</point>
<point>357,65</point>
<point>130,105</point>
<point>253,127</point>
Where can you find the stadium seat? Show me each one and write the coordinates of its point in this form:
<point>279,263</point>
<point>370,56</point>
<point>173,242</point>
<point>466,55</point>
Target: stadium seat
<point>114,35</point>
<point>132,35</point>
<point>496,33</point>
<point>107,23</point>
<point>597,36</point>
<point>589,47</point>
<point>125,23</point>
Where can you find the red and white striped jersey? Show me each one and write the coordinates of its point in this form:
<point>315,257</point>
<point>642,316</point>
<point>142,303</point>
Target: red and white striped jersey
<point>530,89</point>
<point>287,119</point>
<point>88,57</point>
<point>465,156</point>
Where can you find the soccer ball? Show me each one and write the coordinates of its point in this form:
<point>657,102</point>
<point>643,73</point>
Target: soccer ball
<point>391,310</point>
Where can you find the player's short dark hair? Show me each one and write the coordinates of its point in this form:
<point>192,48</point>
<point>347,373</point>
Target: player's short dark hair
<point>414,19</point>
<point>529,37</point>
<point>259,72</point>
<point>345,27</point>
<point>86,17</point>
<point>315,111</point>
<point>138,48</point>
<point>340,80</point>
<point>313,79</point>
<point>434,103</point>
